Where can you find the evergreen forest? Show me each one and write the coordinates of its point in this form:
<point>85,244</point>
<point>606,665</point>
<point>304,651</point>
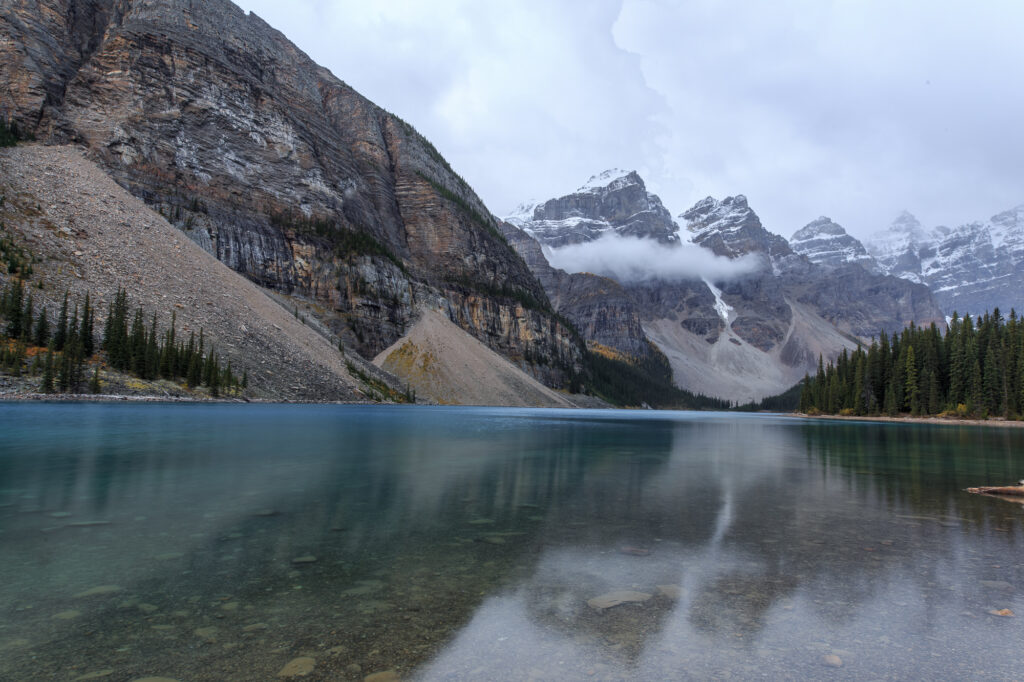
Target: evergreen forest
<point>63,351</point>
<point>975,369</point>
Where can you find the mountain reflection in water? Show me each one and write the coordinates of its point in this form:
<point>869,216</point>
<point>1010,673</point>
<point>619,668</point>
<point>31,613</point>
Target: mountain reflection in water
<point>465,543</point>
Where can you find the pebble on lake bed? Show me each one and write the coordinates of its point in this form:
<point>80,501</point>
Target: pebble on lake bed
<point>298,667</point>
<point>155,679</point>
<point>307,559</point>
<point>67,615</point>
<point>1006,613</point>
<point>832,661</point>
<point>386,676</point>
<point>610,599</point>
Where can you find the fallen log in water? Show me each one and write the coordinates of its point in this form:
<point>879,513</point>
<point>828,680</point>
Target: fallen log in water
<point>1011,490</point>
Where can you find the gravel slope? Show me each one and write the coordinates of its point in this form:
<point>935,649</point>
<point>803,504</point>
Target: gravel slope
<point>91,235</point>
<point>446,365</point>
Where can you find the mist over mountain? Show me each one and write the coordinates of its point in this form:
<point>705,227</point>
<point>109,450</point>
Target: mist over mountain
<point>639,259</point>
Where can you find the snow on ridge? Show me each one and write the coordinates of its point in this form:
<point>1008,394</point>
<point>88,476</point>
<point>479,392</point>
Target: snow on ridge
<point>605,179</point>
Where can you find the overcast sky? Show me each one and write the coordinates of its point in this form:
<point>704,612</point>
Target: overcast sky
<point>855,109</point>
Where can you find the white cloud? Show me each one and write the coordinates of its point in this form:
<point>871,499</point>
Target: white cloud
<point>632,259</point>
<point>855,110</point>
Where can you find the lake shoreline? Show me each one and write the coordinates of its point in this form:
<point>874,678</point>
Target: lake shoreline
<point>913,420</point>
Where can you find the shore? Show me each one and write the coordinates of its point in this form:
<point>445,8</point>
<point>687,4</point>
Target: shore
<point>995,421</point>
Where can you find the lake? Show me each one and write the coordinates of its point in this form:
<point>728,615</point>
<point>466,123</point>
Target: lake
<point>223,542</point>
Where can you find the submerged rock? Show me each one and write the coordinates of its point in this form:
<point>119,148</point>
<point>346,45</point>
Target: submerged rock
<point>617,597</point>
<point>832,661</point>
<point>298,667</point>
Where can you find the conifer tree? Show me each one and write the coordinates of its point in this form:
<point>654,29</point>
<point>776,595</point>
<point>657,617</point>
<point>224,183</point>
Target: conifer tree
<point>41,334</point>
<point>912,392</point>
<point>60,335</point>
<point>27,317</point>
<point>47,383</point>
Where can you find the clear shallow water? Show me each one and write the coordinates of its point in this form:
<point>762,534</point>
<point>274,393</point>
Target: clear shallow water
<point>465,544</point>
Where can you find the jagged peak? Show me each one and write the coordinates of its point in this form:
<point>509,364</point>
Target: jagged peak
<point>823,225</point>
<point>710,210</point>
<point>613,178</point>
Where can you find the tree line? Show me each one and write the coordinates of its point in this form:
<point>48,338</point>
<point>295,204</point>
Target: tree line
<point>128,344</point>
<point>975,369</point>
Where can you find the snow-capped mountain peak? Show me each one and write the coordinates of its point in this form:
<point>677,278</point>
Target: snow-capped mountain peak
<point>613,202</point>
<point>613,178</point>
<point>826,243</point>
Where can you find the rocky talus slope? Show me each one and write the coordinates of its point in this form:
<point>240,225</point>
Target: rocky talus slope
<point>276,167</point>
<point>88,235</point>
<point>445,365</point>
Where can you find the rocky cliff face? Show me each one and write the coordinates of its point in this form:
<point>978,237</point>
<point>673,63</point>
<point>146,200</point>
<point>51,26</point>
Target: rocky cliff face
<point>752,334</point>
<point>973,268</point>
<point>730,228</point>
<point>613,202</point>
<point>826,243</point>
<point>274,166</point>
<point>599,307</point>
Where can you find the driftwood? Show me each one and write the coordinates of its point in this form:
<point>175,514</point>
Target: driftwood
<point>1011,490</point>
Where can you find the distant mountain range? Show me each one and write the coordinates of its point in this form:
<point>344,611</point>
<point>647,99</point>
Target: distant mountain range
<point>740,337</point>
<point>969,269</point>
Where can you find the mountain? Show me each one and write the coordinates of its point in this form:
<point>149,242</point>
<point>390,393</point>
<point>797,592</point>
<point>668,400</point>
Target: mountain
<point>278,169</point>
<point>85,235</point>
<point>730,228</point>
<point>742,337</point>
<point>897,249</point>
<point>612,202</point>
<point>826,243</point>
<point>970,269</point>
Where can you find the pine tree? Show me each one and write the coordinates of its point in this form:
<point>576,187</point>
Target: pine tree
<point>41,334</point>
<point>27,316</point>
<point>94,383</point>
<point>47,384</point>
<point>86,330</point>
<point>13,308</point>
<point>912,392</point>
<point>60,336</point>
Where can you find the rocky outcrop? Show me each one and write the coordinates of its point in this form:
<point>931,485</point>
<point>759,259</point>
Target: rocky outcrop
<point>613,202</point>
<point>276,167</point>
<point>826,243</point>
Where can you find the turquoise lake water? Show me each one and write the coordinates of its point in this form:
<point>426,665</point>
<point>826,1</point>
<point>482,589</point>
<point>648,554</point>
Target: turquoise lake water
<point>221,542</point>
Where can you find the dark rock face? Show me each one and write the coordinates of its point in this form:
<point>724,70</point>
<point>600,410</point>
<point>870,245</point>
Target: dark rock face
<point>730,228</point>
<point>600,308</point>
<point>826,243</point>
<point>613,202</point>
<point>275,166</point>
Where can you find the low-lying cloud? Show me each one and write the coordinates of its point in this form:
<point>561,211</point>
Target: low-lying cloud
<point>632,259</point>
